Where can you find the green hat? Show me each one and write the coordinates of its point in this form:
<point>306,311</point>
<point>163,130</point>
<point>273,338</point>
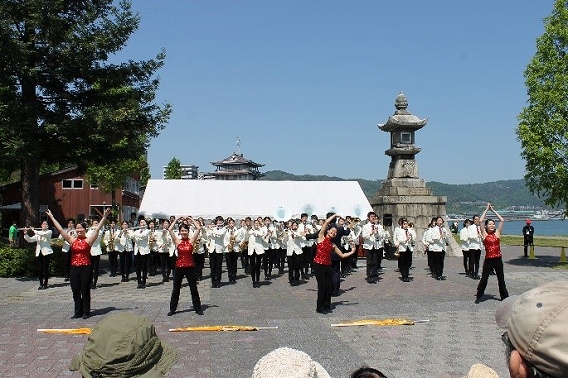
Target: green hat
<point>124,345</point>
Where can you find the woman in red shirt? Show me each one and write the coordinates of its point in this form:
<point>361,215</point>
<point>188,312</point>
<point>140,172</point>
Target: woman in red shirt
<point>322,264</point>
<point>185,265</point>
<point>490,235</point>
<point>80,273</point>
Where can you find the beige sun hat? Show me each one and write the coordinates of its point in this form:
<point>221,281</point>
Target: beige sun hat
<point>288,363</point>
<point>481,371</point>
<point>537,326</point>
<point>124,345</point>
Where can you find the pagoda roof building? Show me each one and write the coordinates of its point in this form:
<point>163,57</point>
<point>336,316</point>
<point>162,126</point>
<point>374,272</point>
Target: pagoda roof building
<point>236,167</point>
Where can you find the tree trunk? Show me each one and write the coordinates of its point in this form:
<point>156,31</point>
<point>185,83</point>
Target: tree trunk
<point>30,190</point>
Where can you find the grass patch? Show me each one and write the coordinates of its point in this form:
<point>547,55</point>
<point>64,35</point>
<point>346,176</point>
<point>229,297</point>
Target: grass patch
<point>539,241</point>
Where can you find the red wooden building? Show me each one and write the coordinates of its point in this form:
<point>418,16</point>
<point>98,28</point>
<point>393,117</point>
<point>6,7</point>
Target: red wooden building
<point>69,195</point>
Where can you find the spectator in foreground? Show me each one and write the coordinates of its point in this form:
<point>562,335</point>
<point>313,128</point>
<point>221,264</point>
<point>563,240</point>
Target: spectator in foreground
<point>536,334</point>
<point>288,363</point>
<point>124,345</point>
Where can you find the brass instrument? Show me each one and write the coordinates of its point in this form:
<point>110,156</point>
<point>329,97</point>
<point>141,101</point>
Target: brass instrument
<point>232,238</point>
<point>151,240</point>
<point>110,245</point>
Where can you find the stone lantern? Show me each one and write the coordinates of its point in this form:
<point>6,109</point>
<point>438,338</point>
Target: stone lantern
<point>404,193</point>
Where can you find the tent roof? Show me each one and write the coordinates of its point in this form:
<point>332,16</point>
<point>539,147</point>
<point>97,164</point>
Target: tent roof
<point>281,200</point>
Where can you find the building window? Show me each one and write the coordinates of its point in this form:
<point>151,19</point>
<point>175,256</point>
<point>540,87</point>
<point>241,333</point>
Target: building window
<point>72,184</point>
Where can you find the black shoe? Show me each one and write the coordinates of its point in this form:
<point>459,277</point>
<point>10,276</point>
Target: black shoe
<point>321,311</point>
<point>44,287</point>
<point>93,286</point>
<point>439,278</point>
<point>140,286</point>
<point>76,316</point>
<point>443,278</point>
<point>40,287</point>
<point>85,316</point>
<point>199,312</point>
<point>66,279</point>
<point>477,300</point>
<point>171,313</point>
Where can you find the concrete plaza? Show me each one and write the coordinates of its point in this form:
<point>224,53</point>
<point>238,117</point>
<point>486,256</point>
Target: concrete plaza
<point>459,333</point>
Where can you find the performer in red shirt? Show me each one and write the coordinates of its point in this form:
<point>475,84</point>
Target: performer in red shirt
<point>185,264</point>
<point>322,264</point>
<point>490,235</point>
<point>80,273</point>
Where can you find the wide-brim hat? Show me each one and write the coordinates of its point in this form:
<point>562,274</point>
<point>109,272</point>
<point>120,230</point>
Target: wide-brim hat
<point>288,363</point>
<point>536,323</point>
<point>124,345</point>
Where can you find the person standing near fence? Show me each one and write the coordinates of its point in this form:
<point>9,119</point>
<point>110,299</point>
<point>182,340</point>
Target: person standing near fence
<point>528,232</point>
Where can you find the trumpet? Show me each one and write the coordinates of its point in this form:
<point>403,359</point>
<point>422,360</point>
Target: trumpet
<point>231,244</point>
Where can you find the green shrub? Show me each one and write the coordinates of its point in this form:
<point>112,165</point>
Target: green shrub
<point>21,262</point>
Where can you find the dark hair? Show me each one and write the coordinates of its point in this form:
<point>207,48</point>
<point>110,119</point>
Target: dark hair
<point>183,226</point>
<point>367,372</point>
<point>467,220</point>
<point>304,215</point>
<point>70,220</point>
<point>371,213</point>
<point>402,220</point>
<point>433,220</point>
<point>329,214</point>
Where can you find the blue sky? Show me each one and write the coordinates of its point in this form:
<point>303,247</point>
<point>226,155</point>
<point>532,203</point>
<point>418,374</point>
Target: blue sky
<point>304,84</point>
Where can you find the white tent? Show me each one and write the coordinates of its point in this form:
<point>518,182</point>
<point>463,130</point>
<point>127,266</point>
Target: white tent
<point>281,200</point>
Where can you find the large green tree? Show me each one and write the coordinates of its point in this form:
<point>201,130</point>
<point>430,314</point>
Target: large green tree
<point>61,99</point>
<point>543,123</point>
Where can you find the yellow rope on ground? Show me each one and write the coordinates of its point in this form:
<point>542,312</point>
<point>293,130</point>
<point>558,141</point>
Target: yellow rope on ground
<point>222,328</point>
<point>378,322</point>
<point>66,331</point>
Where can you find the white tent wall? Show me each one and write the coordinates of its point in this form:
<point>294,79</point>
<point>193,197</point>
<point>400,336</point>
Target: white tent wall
<point>277,199</point>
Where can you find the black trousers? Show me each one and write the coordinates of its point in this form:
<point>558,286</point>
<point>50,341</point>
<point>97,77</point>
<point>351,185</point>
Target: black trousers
<point>67,263</point>
<point>405,262</point>
<point>189,274</point>
<point>165,265</point>
<point>95,262</point>
<point>474,257</point>
<point>216,265</point>
<point>323,276</point>
<point>372,257</point>
<point>142,268</point>
<point>255,264</point>
<point>281,260</point>
<point>268,262</point>
<point>335,276</point>
<point>307,260</point>
<point>113,262</point>
<point>466,257</point>
<point>488,266</point>
<point>125,263</point>
<point>199,259</point>
<point>438,263</point>
<point>42,263</point>
<point>232,258</point>
<point>294,262</point>
<point>80,280</point>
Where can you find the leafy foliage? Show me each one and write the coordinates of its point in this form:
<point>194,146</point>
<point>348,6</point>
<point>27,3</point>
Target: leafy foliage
<point>173,170</point>
<point>60,99</point>
<point>543,123</point>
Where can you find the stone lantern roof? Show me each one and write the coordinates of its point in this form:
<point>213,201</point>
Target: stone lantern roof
<point>402,118</point>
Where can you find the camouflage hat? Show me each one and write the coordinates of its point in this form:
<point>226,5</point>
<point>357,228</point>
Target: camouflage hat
<point>124,345</point>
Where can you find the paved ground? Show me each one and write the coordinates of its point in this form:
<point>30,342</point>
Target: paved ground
<point>459,333</point>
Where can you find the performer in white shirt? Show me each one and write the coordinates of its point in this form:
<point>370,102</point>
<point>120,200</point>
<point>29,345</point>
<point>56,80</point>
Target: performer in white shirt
<point>216,251</point>
<point>464,244</point>
<point>256,250</point>
<point>233,239</point>
<point>66,246</point>
<point>123,245</point>
<point>294,240</point>
<point>438,237</point>
<point>141,238</point>
<point>109,237</point>
<point>43,251</point>
<point>154,258</point>
<point>474,234</point>
<point>373,235</point>
<point>96,250</point>
<point>404,239</point>
<point>165,249</point>
<point>307,263</point>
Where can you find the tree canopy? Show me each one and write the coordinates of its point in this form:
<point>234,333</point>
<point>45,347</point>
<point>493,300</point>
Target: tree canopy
<point>61,99</point>
<point>173,170</point>
<point>543,123</point>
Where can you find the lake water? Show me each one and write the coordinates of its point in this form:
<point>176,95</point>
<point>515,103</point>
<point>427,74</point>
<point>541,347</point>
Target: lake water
<point>553,227</point>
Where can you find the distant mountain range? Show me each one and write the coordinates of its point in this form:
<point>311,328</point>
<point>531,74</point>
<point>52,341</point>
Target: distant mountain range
<point>462,198</point>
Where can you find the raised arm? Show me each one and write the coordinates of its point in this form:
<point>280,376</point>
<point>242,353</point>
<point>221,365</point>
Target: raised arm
<point>197,230</point>
<point>322,231</point>
<point>340,253</point>
<point>173,235</point>
<point>501,221</point>
<point>68,238</point>
<point>482,221</point>
<point>92,237</point>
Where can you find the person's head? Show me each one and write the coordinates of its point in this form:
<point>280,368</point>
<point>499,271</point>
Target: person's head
<point>287,362</point>
<point>151,225</point>
<point>403,222</point>
<point>231,222</point>
<point>367,372</point>
<point>142,223</point>
<point>248,221</point>
<point>490,226</point>
<point>70,223</point>
<point>81,229</point>
<point>536,334</point>
<point>256,223</point>
<point>439,221</point>
<point>125,225</point>
<point>44,225</point>
<point>476,219</point>
<point>304,217</point>
<point>184,230</point>
<point>372,216</point>
<point>528,222</point>
<point>14,222</point>
<point>124,344</point>
<point>166,224</point>
<point>467,222</point>
<point>293,226</point>
<point>172,219</point>
<point>112,223</point>
<point>331,232</point>
<point>433,222</point>
<point>267,221</point>
<point>314,218</point>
